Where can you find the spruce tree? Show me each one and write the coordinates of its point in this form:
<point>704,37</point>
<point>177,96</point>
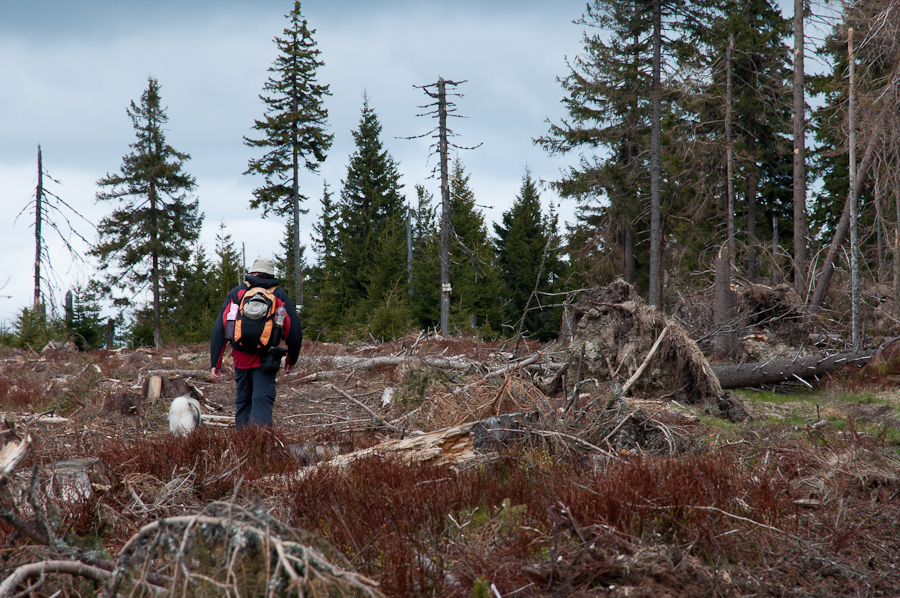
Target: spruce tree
<point>609,100</point>
<point>370,237</point>
<point>473,271</point>
<point>322,308</point>
<point>84,322</point>
<point>284,262</point>
<point>226,268</point>
<point>293,128</point>
<point>150,232</point>
<point>190,301</point>
<point>528,260</point>
<point>425,291</point>
<point>761,111</point>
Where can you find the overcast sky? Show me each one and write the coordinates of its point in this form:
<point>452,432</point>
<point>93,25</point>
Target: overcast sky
<point>70,69</point>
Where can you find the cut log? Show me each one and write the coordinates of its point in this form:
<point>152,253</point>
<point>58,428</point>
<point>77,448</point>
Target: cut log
<point>75,480</point>
<point>776,371</point>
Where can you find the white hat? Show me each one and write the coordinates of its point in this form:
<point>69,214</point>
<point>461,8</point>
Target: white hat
<point>263,265</point>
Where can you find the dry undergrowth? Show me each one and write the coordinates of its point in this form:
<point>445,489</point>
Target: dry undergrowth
<point>606,496</point>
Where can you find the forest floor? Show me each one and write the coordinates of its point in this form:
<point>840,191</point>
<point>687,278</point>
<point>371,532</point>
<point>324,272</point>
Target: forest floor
<point>602,495</point>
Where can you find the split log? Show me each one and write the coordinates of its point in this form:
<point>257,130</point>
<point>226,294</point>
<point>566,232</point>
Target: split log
<point>456,445</point>
<point>776,371</point>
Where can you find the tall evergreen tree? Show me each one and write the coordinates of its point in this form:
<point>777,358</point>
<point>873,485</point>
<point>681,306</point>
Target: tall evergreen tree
<point>761,111</point>
<point>226,268</point>
<point>473,270</point>
<point>528,260</point>
<point>370,240</point>
<point>610,119</point>
<point>150,232</point>
<point>322,308</point>
<point>293,128</point>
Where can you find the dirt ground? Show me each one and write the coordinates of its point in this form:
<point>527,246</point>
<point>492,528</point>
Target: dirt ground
<point>833,451</point>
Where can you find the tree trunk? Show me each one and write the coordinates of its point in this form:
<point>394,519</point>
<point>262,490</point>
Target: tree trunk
<point>154,268</point>
<point>729,154</point>
<point>862,172</point>
<point>38,219</point>
<point>782,370</point>
<point>655,167</point>
<point>725,341</point>
<point>799,182</point>
<point>445,209</point>
<point>628,255</point>
<point>855,333</point>
<point>752,249</point>
<point>295,192</point>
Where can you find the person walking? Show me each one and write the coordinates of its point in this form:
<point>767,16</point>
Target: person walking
<point>255,317</point>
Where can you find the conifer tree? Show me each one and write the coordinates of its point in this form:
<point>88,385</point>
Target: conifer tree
<point>150,232</point>
<point>284,262</point>
<point>370,237</point>
<point>761,110</point>
<point>191,304</point>
<point>528,260</point>
<point>225,274</point>
<point>612,123</point>
<point>84,322</point>
<point>293,128</point>
<point>473,270</point>
<point>425,297</point>
<point>322,308</point>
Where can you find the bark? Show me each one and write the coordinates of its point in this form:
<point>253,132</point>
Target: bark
<point>41,569</point>
<point>782,370</point>
<point>456,445</point>
<point>445,209</point>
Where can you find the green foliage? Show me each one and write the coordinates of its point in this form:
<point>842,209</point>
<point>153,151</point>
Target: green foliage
<point>425,296</point>
<point>528,257</point>
<point>34,328</point>
<point>473,269</point>
<point>225,273</point>
<point>369,256</point>
<point>391,317</point>
<point>608,101</point>
<point>284,262</point>
<point>84,324</point>
<point>293,128</point>
<point>148,236</point>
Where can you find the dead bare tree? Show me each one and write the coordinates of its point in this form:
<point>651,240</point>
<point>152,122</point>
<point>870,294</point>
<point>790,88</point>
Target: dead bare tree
<point>441,108</point>
<point>48,211</point>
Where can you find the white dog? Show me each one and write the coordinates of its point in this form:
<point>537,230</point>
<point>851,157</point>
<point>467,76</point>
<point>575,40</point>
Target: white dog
<point>184,415</point>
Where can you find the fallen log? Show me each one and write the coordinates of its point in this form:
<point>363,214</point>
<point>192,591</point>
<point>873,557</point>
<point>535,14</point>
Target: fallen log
<point>456,445</point>
<point>367,363</point>
<point>776,371</point>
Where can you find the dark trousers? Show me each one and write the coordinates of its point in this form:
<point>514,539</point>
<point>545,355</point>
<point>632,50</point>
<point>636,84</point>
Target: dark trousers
<point>255,397</point>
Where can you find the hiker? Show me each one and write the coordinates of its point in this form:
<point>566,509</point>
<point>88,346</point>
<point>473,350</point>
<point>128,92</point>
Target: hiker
<point>255,317</point>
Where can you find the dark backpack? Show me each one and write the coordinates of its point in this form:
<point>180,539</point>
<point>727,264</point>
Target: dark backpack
<point>254,327</point>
